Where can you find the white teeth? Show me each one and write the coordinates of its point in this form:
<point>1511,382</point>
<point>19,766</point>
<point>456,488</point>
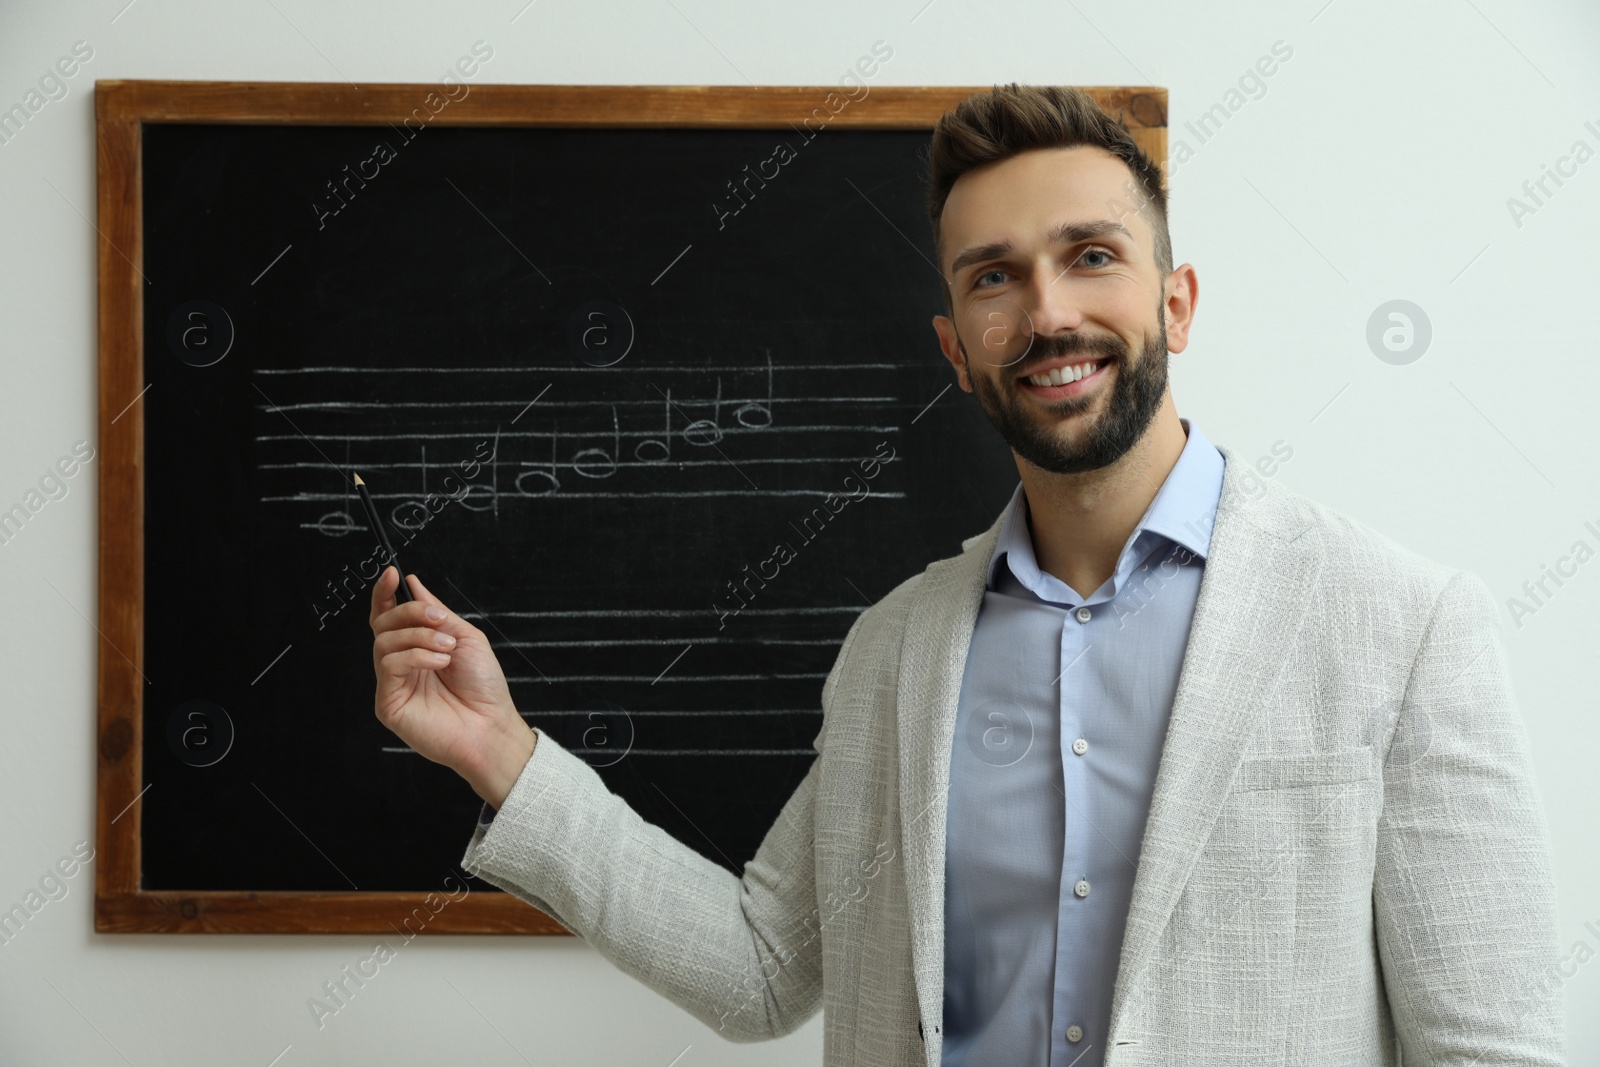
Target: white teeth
<point>1062,375</point>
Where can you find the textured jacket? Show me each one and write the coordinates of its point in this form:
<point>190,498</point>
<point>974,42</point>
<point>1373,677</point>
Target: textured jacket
<point>1345,850</point>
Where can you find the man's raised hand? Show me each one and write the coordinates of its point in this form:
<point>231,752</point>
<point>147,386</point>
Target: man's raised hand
<point>441,689</point>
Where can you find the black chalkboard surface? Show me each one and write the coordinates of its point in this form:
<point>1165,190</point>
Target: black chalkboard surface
<point>690,445</point>
<point>652,400</point>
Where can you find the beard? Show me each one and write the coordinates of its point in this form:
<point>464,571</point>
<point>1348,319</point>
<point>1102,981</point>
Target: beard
<point>1135,394</point>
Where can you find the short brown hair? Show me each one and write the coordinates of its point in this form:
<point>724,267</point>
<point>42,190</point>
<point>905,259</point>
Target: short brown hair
<point>1010,119</point>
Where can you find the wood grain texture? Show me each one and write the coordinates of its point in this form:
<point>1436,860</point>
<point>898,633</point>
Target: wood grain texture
<point>121,109</point>
<point>342,104</point>
<point>483,912</point>
<point>121,455</point>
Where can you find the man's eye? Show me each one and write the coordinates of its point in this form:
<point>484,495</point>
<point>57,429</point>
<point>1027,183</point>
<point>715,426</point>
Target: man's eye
<point>1095,252</point>
<point>978,281</point>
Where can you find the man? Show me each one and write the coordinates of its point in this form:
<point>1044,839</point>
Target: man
<point>1170,766</point>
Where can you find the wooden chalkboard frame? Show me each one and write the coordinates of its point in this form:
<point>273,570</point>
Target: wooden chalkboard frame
<point>122,107</point>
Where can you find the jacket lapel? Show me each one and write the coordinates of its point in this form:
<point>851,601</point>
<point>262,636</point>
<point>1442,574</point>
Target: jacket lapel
<point>938,630</point>
<point>1258,580</point>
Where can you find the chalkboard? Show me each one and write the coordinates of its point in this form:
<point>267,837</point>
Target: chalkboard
<point>661,430</point>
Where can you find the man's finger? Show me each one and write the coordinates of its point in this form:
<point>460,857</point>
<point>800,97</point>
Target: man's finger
<point>402,663</point>
<point>425,597</point>
<point>415,613</point>
<point>421,592</point>
<point>383,598</point>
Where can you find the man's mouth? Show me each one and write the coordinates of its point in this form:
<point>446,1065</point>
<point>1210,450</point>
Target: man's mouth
<point>1064,379</point>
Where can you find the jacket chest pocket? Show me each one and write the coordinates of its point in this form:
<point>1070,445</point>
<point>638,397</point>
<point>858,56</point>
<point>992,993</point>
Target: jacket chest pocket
<point>1294,809</point>
<point>1287,816</point>
<point>1305,769</point>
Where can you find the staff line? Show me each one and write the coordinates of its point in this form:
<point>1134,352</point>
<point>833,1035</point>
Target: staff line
<point>338,405</point>
<point>598,613</point>
<point>811,460</point>
<point>669,711</point>
<point>311,498</point>
<point>647,680</point>
<point>666,751</point>
<point>652,434</point>
<point>674,641</point>
<point>524,369</point>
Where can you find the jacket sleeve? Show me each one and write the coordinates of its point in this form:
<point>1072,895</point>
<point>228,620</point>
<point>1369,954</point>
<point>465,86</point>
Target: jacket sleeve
<point>741,954</point>
<point>1463,895</point>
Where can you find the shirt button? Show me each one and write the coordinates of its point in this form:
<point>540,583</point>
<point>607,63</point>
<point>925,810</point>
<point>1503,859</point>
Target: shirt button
<point>1080,746</point>
<point>1074,1034</point>
<point>1082,888</point>
<point>1084,614</point>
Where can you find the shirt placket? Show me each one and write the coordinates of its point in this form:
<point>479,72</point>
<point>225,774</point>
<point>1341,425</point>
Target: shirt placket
<point>1075,892</point>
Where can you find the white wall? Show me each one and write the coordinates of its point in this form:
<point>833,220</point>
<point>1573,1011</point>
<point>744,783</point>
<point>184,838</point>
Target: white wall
<point>1375,166</point>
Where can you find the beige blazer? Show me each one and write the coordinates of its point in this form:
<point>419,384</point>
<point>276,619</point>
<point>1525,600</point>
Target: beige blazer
<point>1345,850</point>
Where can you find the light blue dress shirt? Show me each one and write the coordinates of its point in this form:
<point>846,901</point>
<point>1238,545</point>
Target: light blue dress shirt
<point>1062,716</point>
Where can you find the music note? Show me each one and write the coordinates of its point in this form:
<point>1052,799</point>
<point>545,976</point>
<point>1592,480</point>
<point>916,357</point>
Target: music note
<point>335,524</point>
<point>412,521</point>
<point>540,472</point>
<point>707,429</point>
<point>760,414</point>
<point>420,514</point>
<point>493,488</point>
<point>664,442</point>
<point>338,523</point>
<point>609,459</point>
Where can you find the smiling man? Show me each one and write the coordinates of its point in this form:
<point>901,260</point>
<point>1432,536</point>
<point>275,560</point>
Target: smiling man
<point>1167,767</point>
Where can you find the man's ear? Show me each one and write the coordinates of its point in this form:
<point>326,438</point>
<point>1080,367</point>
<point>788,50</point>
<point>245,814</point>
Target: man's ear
<point>950,345</point>
<point>1182,297</point>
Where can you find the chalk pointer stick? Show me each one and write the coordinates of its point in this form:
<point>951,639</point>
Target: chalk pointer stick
<point>402,594</point>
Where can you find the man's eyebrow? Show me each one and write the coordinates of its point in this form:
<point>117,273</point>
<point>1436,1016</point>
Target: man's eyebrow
<point>1067,232</point>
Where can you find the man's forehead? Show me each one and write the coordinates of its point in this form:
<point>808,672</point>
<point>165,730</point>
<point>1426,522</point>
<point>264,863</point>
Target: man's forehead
<point>1038,192</point>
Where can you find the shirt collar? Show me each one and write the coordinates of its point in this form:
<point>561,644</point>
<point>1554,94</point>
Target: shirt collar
<point>1183,511</point>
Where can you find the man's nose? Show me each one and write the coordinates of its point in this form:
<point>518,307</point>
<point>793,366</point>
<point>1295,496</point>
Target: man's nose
<point>1030,322</point>
<point>1049,303</point>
